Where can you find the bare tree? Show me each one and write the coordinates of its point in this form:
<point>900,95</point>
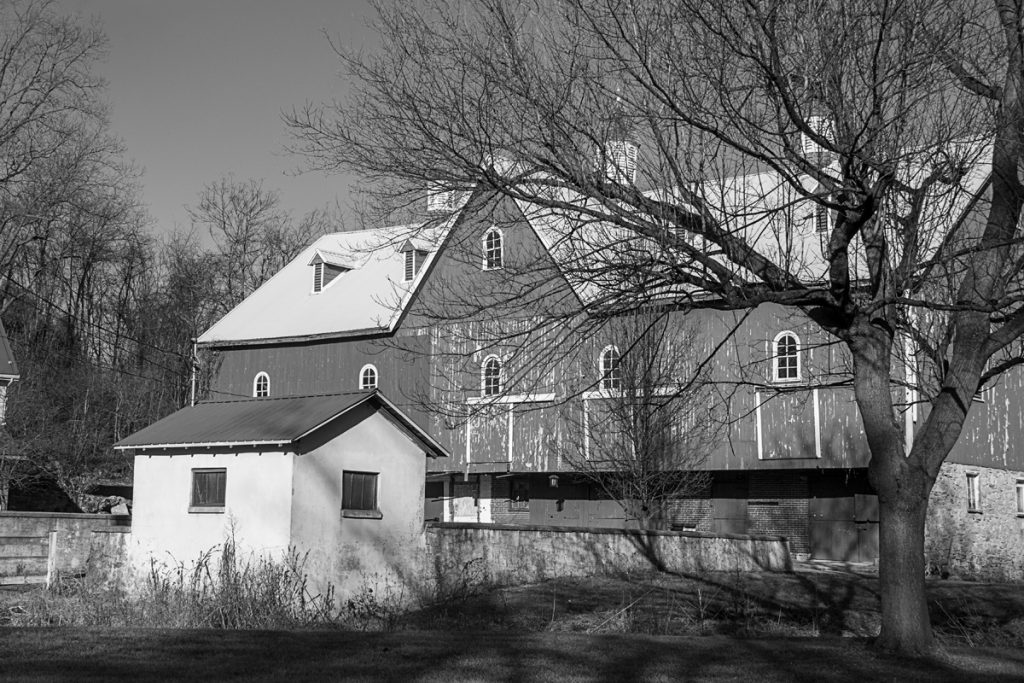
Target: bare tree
<point>644,431</point>
<point>900,124</point>
<point>253,235</point>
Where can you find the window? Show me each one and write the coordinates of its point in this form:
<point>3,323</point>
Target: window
<point>318,277</point>
<point>410,265</point>
<point>491,380</point>
<point>519,498</point>
<point>822,127</point>
<point>261,385</point>
<point>786,357</point>
<point>208,487</point>
<point>359,495</point>
<point>611,371</point>
<point>1020,497</point>
<point>368,377</point>
<point>823,227</point>
<point>493,256</point>
<point>973,492</point>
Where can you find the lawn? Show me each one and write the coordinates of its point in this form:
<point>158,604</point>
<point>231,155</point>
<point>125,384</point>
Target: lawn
<point>32,654</point>
<point>814,624</point>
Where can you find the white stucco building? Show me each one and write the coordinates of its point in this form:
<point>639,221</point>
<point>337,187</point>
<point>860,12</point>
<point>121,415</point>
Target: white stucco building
<point>339,477</point>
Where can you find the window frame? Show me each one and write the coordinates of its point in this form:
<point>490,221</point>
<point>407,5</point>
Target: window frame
<point>195,506</point>
<point>262,374</point>
<point>974,492</point>
<point>370,511</point>
<point>518,504</point>
<point>486,390</point>
<point>1018,490</point>
<point>488,262</point>
<point>610,379</point>
<point>363,386</point>
<point>777,357</point>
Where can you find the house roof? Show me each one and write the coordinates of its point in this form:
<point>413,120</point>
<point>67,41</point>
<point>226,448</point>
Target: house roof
<point>8,367</point>
<point>367,299</point>
<point>278,422</point>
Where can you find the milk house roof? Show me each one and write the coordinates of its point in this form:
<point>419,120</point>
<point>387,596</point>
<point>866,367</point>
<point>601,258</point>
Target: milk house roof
<point>266,422</point>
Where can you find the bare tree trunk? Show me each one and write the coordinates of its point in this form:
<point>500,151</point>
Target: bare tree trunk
<point>906,627</point>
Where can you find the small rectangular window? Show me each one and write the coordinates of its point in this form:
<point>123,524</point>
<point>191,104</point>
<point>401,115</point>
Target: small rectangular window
<point>973,492</point>
<point>1020,497</point>
<point>359,494</point>
<point>208,490</point>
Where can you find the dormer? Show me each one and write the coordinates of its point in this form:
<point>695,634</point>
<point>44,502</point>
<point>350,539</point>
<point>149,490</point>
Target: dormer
<point>415,253</point>
<point>811,148</point>
<point>442,199</point>
<point>327,267</point>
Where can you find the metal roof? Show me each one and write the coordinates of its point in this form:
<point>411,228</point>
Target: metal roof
<point>366,299</point>
<point>278,422</point>
<point>8,368</point>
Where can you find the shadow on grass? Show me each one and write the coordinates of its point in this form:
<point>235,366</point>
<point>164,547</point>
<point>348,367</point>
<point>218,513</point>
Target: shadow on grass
<point>39,654</point>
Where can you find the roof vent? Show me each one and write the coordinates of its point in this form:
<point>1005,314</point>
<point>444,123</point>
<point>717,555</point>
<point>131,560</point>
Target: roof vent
<point>620,161</point>
<point>327,266</point>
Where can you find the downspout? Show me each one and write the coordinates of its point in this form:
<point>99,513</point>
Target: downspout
<point>195,364</point>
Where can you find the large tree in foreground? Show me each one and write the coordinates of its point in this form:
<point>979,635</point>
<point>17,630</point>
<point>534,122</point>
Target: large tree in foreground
<point>894,119</point>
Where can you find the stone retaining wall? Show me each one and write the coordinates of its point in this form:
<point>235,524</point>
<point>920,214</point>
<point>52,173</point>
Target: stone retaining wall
<point>505,555</point>
<point>74,544</point>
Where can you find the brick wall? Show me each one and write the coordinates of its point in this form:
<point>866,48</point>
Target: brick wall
<point>985,544</point>
<point>777,504</point>
<point>503,510</point>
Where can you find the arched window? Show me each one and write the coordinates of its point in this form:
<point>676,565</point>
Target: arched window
<point>786,357</point>
<point>261,385</point>
<point>611,372</point>
<point>368,377</point>
<point>491,379</point>
<point>493,255</point>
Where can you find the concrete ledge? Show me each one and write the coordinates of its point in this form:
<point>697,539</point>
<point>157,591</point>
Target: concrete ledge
<point>64,515</point>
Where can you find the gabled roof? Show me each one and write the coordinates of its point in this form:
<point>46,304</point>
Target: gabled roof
<point>8,367</point>
<point>266,422</point>
<point>367,298</point>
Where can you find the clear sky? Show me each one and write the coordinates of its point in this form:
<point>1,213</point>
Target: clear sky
<point>197,88</point>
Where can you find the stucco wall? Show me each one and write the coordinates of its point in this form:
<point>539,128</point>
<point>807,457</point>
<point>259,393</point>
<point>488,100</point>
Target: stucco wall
<point>356,554</point>
<point>986,545</point>
<point>499,554</point>
<point>257,506</point>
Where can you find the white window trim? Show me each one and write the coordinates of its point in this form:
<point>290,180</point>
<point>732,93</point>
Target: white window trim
<point>974,491</point>
<point>483,377</point>
<point>255,384</point>
<point>376,377</point>
<point>1018,496</point>
<point>601,373</point>
<point>599,393</point>
<point>501,248</point>
<point>774,354</point>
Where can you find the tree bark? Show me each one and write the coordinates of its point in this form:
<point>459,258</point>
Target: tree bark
<point>906,627</point>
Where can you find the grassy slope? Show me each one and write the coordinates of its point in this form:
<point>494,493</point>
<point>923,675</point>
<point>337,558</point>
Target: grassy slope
<point>154,655</point>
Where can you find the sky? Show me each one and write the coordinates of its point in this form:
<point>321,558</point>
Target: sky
<point>197,88</point>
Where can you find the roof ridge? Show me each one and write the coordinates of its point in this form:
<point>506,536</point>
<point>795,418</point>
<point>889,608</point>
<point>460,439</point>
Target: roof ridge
<point>354,392</point>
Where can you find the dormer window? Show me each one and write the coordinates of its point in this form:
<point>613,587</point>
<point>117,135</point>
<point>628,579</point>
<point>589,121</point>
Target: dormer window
<point>326,268</point>
<point>414,259</point>
<point>822,127</point>
<point>494,256</point>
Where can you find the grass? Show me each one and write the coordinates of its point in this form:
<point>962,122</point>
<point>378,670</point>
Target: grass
<point>813,624</point>
<point>31,654</point>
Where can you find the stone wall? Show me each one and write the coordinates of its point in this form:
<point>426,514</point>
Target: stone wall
<point>986,543</point>
<point>506,555</point>
<point>75,544</point>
